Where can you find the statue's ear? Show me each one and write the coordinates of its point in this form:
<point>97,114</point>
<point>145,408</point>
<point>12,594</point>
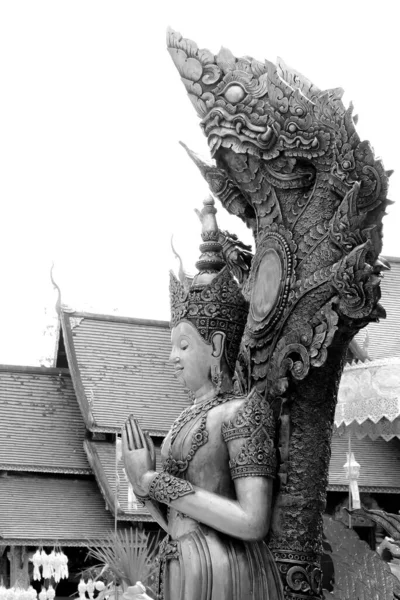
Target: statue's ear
<point>218,344</point>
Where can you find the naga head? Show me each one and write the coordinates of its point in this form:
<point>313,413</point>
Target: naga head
<point>253,107</point>
<point>260,115</point>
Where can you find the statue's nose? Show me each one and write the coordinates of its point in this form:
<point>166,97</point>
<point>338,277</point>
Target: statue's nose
<point>173,356</point>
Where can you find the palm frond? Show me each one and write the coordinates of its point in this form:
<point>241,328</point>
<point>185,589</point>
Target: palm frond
<point>130,555</point>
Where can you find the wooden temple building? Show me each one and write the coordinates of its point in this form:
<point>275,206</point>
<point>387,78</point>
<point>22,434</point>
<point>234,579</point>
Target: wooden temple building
<point>58,430</point>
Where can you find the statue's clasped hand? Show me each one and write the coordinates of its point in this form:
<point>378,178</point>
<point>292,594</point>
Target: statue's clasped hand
<point>139,457</point>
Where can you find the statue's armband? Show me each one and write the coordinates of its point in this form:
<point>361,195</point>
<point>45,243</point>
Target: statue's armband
<point>165,488</point>
<point>253,426</point>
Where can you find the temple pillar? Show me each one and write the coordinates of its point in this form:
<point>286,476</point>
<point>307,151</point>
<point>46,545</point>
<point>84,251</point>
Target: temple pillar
<point>4,579</point>
<point>19,565</point>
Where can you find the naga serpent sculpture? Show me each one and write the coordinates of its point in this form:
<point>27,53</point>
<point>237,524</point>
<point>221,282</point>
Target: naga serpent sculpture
<point>289,162</point>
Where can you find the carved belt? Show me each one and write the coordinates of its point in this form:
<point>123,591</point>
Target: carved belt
<point>169,549</point>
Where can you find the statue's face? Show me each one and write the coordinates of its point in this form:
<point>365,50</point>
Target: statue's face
<point>191,357</point>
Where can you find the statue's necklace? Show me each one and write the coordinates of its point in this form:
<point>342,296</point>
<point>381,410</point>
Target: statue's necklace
<point>191,413</point>
<point>200,437</point>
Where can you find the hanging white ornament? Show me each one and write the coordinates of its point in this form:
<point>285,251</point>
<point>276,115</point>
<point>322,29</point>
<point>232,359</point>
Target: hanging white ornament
<point>64,565</point>
<point>43,594</point>
<point>52,556</point>
<point>56,566</point>
<point>32,593</point>
<point>37,562</point>
<point>90,588</point>
<point>46,569</point>
<point>82,587</point>
<point>51,593</point>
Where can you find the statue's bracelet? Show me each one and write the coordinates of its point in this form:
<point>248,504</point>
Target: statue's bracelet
<point>165,488</point>
<point>142,498</point>
<point>146,497</point>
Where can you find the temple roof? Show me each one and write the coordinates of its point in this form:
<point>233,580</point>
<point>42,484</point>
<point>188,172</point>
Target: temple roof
<point>44,510</point>
<point>101,456</point>
<point>119,366</point>
<point>41,426</point>
<point>383,339</point>
<point>379,461</point>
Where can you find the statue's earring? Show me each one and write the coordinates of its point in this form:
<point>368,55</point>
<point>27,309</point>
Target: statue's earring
<point>216,377</point>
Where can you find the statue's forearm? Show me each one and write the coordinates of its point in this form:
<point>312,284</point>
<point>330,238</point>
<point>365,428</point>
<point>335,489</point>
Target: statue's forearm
<point>246,518</point>
<point>225,515</point>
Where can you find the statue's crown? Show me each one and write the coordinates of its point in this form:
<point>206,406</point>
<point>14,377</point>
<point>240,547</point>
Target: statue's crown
<point>213,301</point>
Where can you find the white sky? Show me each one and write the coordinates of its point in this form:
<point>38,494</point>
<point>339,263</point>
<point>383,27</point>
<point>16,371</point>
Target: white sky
<point>91,112</point>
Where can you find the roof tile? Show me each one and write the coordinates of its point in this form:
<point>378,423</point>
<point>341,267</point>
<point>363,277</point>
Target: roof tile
<point>120,367</point>
<point>43,509</point>
<point>40,405</point>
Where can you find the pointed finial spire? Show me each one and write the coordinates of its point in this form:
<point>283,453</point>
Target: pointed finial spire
<point>57,288</point>
<point>211,260</point>
<point>60,307</point>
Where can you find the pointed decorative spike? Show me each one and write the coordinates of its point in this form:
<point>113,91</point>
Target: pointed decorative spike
<point>358,353</point>
<point>205,167</point>
<point>382,264</point>
<point>389,172</point>
<point>337,92</point>
<point>378,312</point>
<point>355,119</point>
<point>296,79</point>
<point>181,272</point>
<point>216,178</point>
<point>200,162</point>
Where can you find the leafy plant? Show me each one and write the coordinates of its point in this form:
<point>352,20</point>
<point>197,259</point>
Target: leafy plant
<point>360,573</point>
<point>129,555</point>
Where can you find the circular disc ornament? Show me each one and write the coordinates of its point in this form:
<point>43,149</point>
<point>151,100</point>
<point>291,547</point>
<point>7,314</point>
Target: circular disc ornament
<point>268,285</point>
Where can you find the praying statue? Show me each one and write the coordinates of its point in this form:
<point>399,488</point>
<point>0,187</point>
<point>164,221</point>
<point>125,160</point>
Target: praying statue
<point>214,493</point>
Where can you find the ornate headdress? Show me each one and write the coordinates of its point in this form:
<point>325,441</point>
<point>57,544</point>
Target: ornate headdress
<point>213,301</point>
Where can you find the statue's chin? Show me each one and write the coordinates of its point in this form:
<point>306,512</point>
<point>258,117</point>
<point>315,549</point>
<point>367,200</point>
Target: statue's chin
<point>180,377</point>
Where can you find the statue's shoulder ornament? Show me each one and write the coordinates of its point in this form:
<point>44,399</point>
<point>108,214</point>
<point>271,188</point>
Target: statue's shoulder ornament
<point>253,422</point>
